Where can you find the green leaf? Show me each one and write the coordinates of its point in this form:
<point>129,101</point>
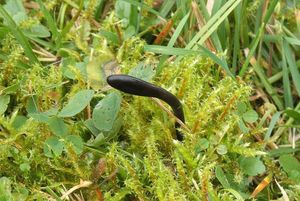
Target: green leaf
<point>98,141</point>
<point>41,117</point>
<point>222,177</point>
<point>58,126</point>
<point>90,125</point>
<point>222,149</point>
<point>115,129</point>
<point>38,30</point>
<point>31,106</point>
<point>76,143</point>
<point>4,100</point>
<point>53,147</point>
<point>142,71</point>
<point>241,107</point>
<point>109,36</point>
<point>243,126</point>
<point>19,121</point>
<point>252,166</point>
<point>293,113</point>
<point>202,144</point>
<point>14,7</point>
<point>106,111</point>
<point>250,116</point>
<point>291,166</point>
<point>77,103</point>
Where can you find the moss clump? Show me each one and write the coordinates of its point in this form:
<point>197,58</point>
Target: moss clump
<point>151,165</point>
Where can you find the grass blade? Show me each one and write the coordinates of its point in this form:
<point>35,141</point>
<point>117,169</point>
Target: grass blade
<point>288,98</point>
<point>166,7</point>
<point>272,124</point>
<point>217,60</point>
<point>267,85</point>
<point>252,50</point>
<point>50,21</point>
<point>218,22</point>
<point>181,51</point>
<point>236,37</point>
<point>178,30</point>
<point>172,41</point>
<point>213,23</point>
<point>144,6</point>
<point>158,49</point>
<point>292,66</point>
<point>214,37</point>
<point>18,34</point>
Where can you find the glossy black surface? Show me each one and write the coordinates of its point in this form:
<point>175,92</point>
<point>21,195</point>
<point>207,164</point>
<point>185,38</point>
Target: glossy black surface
<point>133,85</point>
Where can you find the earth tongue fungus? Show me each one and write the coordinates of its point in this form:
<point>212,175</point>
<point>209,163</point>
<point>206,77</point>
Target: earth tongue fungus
<point>133,85</point>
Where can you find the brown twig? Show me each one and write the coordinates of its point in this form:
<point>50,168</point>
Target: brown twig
<point>160,104</point>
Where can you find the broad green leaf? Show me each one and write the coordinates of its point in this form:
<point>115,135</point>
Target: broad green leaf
<point>39,116</point>
<point>76,142</point>
<point>109,36</point>
<point>38,30</point>
<point>293,113</point>
<point>77,103</point>
<point>53,147</point>
<point>90,125</point>
<point>250,116</point>
<point>242,126</point>
<point>115,129</point>
<point>19,121</point>
<point>105,136</point>
<point>202,144</point>
<point>58,126</point>
<point>291,166</point>
<point>31,106</point>
<point>252,166</point>
<point>106,111</point>
<point>98,141</point>
<point>222,177</point>
<point>142,71</point>
<point>241,107</point>
<point>14,7</point>
<point>11,89</point>
<point>4,100</point>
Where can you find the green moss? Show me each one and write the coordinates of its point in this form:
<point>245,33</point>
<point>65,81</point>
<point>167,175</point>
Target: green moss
<point>170,170</point>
